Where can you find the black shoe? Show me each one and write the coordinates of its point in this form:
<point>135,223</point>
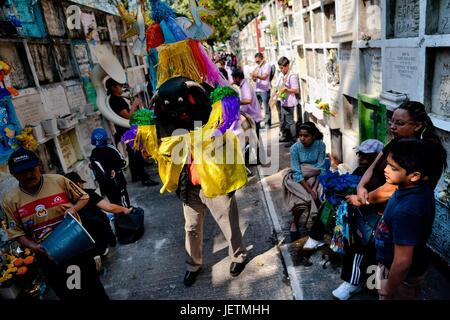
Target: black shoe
<point>283,139</point>
<point>149,183</point>
<point>295,235</point>
<point>236,268</point>
<point>190,277</point>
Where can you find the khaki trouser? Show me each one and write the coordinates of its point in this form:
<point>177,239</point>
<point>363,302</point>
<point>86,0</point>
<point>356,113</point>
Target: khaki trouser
<point>409,289</point>
<point>225,212</point>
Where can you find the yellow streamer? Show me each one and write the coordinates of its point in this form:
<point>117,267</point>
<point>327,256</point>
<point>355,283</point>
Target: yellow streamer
<point>176,60</point>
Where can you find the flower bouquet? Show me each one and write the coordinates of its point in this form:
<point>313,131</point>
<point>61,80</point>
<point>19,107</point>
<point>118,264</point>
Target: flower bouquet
<point>325,107</point>
<point>336,187</point>
<point>19,269</point>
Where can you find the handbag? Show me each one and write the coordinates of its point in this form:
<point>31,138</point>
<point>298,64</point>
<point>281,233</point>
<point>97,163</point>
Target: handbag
<point>129,227</point>
<point>366,224</point>
<point>327,215</point>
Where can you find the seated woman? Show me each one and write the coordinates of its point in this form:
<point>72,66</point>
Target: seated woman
<point>301,186</point>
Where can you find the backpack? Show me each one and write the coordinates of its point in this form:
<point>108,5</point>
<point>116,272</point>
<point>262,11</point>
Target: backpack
<point>129,227</point>
<point>272,72</point>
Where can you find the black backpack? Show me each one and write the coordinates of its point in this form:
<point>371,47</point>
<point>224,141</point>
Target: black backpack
<point>272,72</point>
<point>129,227</point>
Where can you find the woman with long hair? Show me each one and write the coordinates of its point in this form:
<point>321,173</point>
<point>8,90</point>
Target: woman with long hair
<point>301,186</point>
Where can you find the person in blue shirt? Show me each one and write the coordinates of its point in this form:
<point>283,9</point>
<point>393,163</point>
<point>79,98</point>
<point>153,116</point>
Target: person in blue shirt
<point>307,162</point>
<point>406,224</point>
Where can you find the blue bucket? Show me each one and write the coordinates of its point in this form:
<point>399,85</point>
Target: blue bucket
<point>68,240</point>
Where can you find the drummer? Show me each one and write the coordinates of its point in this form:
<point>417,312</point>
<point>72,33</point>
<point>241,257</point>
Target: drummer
<point>34,209</point>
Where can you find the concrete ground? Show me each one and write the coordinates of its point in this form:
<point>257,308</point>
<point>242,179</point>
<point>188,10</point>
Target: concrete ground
<point>153,267</point>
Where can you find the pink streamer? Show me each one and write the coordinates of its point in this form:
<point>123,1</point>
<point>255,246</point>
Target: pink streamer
<point>213,76</point>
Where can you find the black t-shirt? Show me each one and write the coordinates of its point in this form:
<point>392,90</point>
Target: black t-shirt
<point>118,104</point>
<point>109,158</point>
<point>407,220</point>
<point>94,198</point>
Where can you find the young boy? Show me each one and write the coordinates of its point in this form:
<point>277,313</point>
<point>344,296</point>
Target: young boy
<point>406,224</point>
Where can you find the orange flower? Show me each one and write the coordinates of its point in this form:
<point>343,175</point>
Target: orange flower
<point>28,260</point>
<point>18,262</point>
<point>22,270</point>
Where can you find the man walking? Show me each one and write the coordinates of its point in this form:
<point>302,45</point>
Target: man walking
<point>287,92</point>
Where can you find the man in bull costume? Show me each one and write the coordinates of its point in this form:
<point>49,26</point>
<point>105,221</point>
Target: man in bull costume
<point>187,132</point>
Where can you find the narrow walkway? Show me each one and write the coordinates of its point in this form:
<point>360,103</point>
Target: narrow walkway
<point>153,267</point>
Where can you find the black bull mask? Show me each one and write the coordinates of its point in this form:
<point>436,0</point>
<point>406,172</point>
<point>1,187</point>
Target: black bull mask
<point>180,103</point>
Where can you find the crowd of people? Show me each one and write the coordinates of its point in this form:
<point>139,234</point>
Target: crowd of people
<point>392,210</point>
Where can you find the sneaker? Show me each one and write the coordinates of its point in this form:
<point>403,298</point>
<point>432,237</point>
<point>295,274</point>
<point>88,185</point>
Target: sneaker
<point>104,254</point>
<point>346,290</point>
<point>312,244</point>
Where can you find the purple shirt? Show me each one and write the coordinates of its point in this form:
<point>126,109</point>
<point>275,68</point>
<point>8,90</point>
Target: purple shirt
<point>252,109</point>
<point>263,85</point>
<point>291,99</point>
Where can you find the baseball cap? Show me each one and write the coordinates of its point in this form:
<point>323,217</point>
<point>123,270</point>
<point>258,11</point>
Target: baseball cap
<point>370,146</point>
<point>74,177</point>
<point>21,160</point>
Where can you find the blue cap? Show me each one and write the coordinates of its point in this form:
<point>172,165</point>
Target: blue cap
<point>21,160</point>
<point>99,137</point>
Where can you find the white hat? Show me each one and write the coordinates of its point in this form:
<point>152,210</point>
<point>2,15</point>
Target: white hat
<point>370,146</point>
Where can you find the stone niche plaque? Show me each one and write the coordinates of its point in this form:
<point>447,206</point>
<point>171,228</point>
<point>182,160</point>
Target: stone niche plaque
<point>371,71</point>
<point>317,16</point>
<point>310,63</point>
<point>307,29</point>
<point>440,92</point>
<point>29,109</point>
<point>301,61</point>
<point>402,70</point>
<point>54,18</point>
<point>55,101</point>
<point>330,21</point>
<point>406,18</point>
<point>347,69</point>
<point>444,17</point>
<point>438,17</point>
<point>346,15</point>
<point>321,72</point>
<point>370,18</point>
<point>76,98</point>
